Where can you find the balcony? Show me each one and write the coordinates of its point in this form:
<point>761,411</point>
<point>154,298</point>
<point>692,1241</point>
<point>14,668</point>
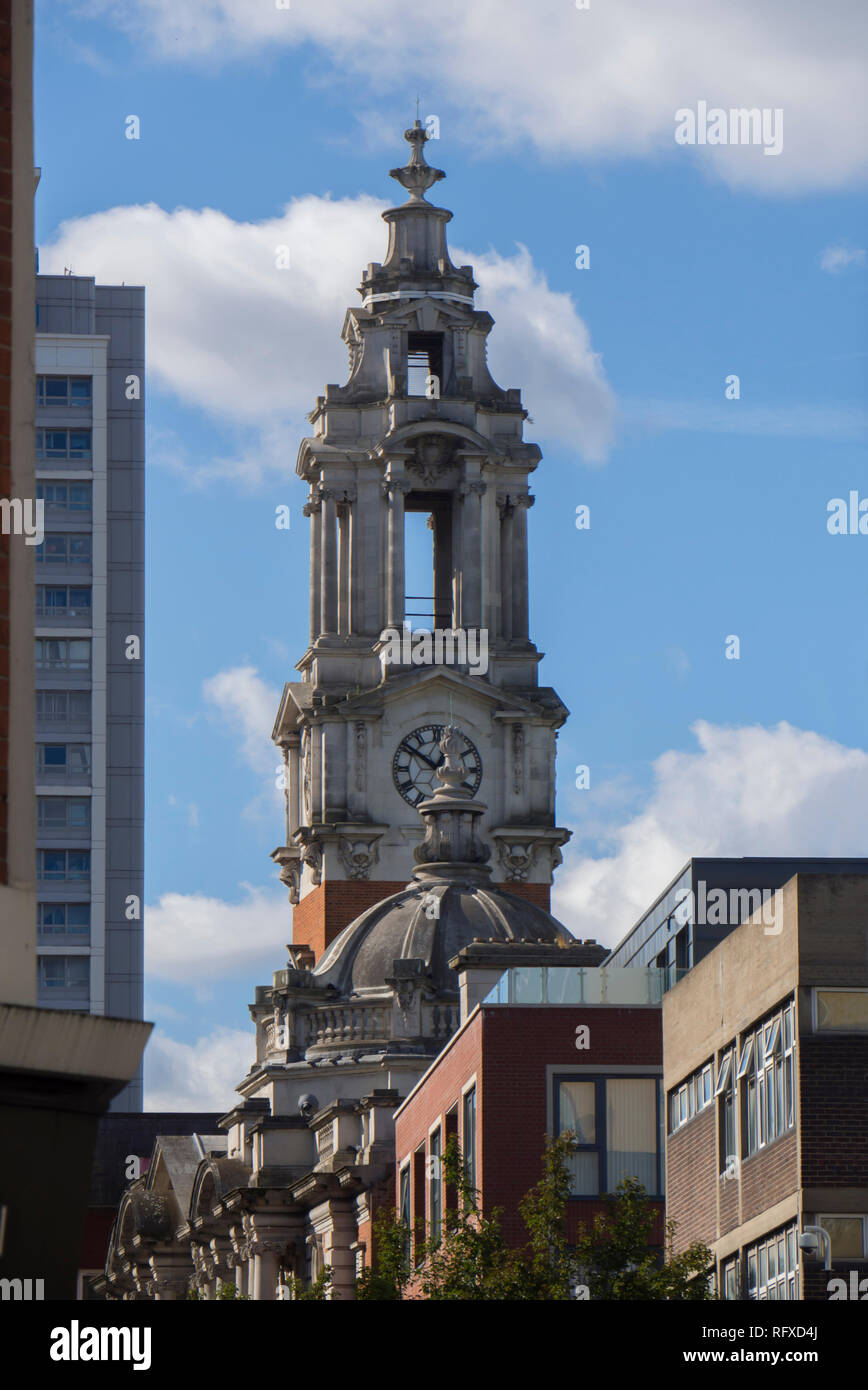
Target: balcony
<point>583,985</point>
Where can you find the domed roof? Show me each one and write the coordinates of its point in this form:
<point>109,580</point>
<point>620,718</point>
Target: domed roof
<point>430,921</point>
<point>450,904</point>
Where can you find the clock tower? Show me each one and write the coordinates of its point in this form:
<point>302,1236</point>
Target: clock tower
<point>419,427</point>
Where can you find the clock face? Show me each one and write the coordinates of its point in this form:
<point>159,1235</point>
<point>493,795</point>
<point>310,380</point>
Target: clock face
<point>417,758</point>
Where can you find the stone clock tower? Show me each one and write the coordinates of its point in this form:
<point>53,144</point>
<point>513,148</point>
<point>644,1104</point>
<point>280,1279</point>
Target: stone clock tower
<point>420,426</point>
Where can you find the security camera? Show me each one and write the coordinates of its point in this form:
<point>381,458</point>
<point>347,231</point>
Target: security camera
<point>807,1242</point>
<point>307,1106</point>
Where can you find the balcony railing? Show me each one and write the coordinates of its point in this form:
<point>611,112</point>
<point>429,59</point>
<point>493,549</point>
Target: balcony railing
<point>557,984</point>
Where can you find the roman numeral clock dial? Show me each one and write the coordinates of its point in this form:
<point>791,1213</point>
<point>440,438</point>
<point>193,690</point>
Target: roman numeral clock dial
<point>417,758</point>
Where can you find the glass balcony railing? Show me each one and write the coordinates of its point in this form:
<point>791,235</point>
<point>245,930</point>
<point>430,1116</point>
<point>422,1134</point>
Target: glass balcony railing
<point>555,984</point>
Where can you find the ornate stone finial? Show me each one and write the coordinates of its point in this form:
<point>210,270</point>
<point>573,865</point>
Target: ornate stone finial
<point>452,772</point>
<point>416,175</point>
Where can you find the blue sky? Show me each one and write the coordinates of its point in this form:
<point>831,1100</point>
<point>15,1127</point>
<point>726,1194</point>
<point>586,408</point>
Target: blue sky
<point>708,516</point>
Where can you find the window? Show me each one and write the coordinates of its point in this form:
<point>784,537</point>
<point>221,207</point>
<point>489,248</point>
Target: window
<point>617,1129</point>
<point>689,1099</point>
<point>59,865</point>
<point>63,706</point>
<point>63,654</point>
<point>468,1145</point>
<point>66,497</point>
<point>767,1075</point>
<point>65,548</point>
<point>63,812</point>
<point>731,1285</point>
<point>64,920</point>
<point>63,391</point>
<point>848,1234</point>
<point>840,1010</point>
<point>404,1208</point>
<point>64,972</point>
<point>726,1118</point>
<point>63,444</point>
<point>425,364</point>
<point>63,601</point>
<point>773,1267</point>
<point>66,759</point>
<point>419,1205</point>
<point>435,1187</point>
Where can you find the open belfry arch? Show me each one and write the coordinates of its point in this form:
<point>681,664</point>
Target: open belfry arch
<point>420,426</point>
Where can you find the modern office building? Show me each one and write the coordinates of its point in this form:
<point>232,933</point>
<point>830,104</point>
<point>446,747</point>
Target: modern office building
<point>706,901</point>
<point>58,1070</point>
<point>550,1040</point>
<point>89,648</point>
<point>765,1047</point>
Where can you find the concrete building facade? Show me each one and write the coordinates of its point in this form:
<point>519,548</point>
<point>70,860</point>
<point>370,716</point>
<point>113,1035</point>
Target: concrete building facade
<point>89,648</point>
<point>765,1046</point>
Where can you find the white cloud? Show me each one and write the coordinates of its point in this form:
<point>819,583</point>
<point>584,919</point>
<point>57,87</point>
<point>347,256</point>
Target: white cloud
<point>598,83</point>
<point>747,791</point>
<point>192,938</point>
<point>837,258</point>
<point>249,706</point>
<point>196,1076</point>
<point>252,345</point>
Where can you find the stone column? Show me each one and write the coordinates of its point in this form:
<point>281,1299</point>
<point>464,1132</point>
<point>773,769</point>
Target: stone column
<point>344,521</point>
<point>396,490</point>
<point>506,549</point>
<point>314,511</point>
<point>471,555</point>
<point>338,1254</point>
<point>519,568</point>
<point>293,817</point>
<point>329,565</point>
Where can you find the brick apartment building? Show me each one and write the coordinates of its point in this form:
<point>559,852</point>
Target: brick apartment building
<point>517,1071</point>
<point>765,1048</point>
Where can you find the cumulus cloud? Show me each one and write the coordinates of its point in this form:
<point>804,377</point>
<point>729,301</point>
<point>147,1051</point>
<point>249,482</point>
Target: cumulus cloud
<point>746,791</point>
<point>233,333</point>
<point>192,937</point>
<point>249,706</point>
<point>196,1076</point>
<point>837,258</point>
<point>576,84</point>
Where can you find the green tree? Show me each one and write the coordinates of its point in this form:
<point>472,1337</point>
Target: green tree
<point>618,1264</point>
<point>387,1276</point>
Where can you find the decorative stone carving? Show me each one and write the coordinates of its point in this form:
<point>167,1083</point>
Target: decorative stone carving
<point>306,793</point>
<point>359,856</point>
<point>433,458</point>
<point>311,855</point>
<point>517,859</point>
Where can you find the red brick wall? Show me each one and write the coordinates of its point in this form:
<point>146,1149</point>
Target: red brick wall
<point>323,913</point>
<point>5,395</point>
<point>692,1178</point>
<point>834,1113</point>
<point>768,1176</point>
<point>509,1049</point>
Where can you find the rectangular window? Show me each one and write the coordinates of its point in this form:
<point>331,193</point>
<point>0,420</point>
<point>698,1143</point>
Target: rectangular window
<point>731,1290</point>
<point>419,1205</point>
<point>64,921</point>
<point>65,497</point>
<point>63,812</point>
<point>468,1141</point>
<point>63,601</point>
<point>64,548</point>
<point>616,1121</point>
<point>63,706</point>
<point>435,1187</point>
<point>59,865</point>
<point>767,1072</point>
<point>841,1010</point>
<point>66,759</point>
<point>773,1268</point>
<point>847,1234</point>
<point>404,1208</point>
<point>63,654</point>
<point>63,444</point>
<point>64,972</point>
<point>62,392</point>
